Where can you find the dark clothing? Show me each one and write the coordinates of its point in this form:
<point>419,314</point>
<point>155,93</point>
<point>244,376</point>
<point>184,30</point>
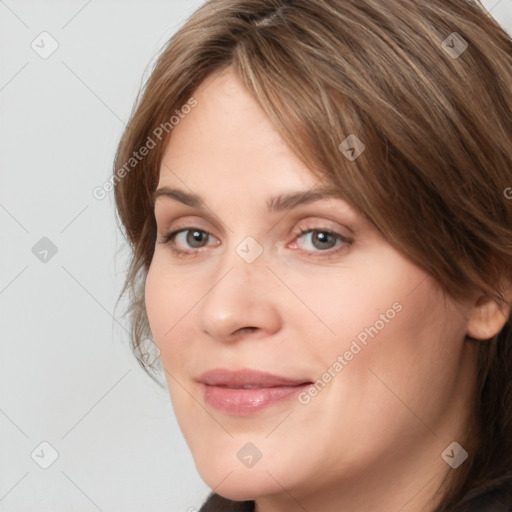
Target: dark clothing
<point>216,503</point>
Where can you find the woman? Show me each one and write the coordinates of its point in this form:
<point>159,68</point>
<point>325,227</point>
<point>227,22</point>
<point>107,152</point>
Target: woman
<point>317,195</point>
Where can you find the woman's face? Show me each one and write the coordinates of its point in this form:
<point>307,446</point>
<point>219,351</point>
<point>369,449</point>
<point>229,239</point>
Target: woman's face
<point>306,290</point>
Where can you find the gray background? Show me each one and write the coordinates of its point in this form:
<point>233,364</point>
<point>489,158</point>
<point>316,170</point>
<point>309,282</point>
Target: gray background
<point>67,375</point>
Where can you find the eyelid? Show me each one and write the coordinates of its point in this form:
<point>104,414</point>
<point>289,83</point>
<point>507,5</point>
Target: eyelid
<point>344,240</point>
<point>322,255</point>
<point>174,219</point>
<point>168,239</point>
<point>320,218</point>
<point>175,223</point>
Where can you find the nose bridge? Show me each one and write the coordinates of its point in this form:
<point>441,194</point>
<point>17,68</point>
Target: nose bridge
<point>239,298</point>
<point>243,268</point>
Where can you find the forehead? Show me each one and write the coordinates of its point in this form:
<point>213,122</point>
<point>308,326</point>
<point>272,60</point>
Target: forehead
<point>227,138</point>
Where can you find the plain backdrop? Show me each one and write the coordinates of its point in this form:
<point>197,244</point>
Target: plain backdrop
<point>82,427</point>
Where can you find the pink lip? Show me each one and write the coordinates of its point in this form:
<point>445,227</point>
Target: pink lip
<point>222,390</point>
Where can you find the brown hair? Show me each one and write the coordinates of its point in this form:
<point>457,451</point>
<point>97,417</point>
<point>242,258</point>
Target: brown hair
<point>427,88</point>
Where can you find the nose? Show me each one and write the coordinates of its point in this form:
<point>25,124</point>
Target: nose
<point>240,302</point>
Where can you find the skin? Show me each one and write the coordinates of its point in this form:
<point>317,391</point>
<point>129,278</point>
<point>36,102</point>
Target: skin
<point>372,438</point>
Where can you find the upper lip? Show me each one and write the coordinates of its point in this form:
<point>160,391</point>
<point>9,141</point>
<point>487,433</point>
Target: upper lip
<point>247,377</point>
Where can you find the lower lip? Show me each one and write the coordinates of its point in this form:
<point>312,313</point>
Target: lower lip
<point>242,402</point>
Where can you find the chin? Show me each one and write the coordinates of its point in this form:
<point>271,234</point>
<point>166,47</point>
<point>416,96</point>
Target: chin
<point>241,484</point>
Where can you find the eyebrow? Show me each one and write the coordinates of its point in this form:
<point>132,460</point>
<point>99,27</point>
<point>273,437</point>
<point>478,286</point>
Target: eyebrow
<point>278,203</point>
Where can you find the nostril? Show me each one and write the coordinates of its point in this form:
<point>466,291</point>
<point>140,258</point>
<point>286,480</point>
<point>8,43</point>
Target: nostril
<point>246,329</point>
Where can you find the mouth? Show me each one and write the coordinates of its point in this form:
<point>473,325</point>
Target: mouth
<point>244,392</point>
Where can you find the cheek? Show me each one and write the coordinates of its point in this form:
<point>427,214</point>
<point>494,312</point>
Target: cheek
<point>155,298</point>
<point>346,303</point>
<point>391,368</point>
<point>172,296</point>
<point>167,303</point>
<point>397,338</point>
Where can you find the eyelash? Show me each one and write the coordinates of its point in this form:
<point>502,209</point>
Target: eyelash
<point>168,239</point>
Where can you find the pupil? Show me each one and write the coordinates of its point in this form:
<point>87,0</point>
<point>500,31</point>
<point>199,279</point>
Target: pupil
<point>322,238</point>
<point>194,238</point>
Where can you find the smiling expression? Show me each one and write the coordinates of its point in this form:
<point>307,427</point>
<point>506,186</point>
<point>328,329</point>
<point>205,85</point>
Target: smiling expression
<point>260,266</point>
